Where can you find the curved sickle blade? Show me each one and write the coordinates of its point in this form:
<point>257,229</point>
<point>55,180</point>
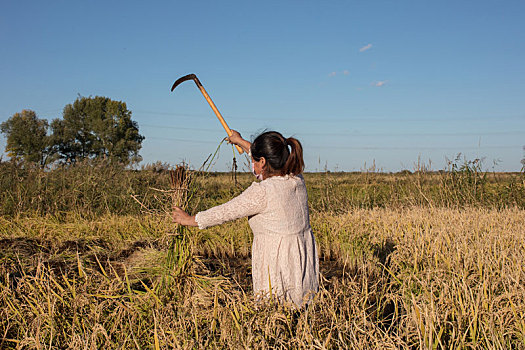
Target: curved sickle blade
<point>183,79</point>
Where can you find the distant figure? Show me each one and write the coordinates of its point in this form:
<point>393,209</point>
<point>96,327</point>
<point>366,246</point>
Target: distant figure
<point>284,254</point>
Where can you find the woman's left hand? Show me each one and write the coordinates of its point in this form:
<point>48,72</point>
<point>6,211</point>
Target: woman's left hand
<point>235,138</point>
<point>181,217</point>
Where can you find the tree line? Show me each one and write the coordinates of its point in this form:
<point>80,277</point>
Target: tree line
<point>90,127</point>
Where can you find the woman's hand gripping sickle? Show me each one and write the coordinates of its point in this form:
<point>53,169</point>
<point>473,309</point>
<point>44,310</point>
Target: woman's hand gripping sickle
<point>179,216</point>
<point>237,139</point>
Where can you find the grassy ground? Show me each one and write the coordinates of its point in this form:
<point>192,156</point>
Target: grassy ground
<point>404,264</point>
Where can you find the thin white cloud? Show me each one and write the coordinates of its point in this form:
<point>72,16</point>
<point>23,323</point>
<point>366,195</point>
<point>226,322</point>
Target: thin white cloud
<point>364,48</point>
<point>380,83</point>
<point>334,73</point>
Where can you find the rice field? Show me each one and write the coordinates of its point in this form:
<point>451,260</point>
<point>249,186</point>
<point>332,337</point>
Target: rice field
<point>89,259</point>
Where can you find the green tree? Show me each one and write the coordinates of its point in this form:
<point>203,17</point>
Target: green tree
<point>27,137</point>
<point>97,127</point>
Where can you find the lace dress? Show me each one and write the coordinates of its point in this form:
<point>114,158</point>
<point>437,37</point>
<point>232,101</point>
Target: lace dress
<point>284,254</point>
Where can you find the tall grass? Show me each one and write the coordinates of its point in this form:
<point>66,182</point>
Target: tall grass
<point>99,188</point>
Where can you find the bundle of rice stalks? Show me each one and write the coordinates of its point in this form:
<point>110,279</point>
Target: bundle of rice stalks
<point>179,255</point>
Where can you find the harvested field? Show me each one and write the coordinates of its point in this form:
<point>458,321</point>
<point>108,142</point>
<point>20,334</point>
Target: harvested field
<point>409,278</point>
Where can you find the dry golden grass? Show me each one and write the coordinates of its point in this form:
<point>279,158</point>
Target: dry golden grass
<point>391,278</point>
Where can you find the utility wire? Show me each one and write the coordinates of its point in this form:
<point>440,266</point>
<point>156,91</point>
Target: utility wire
<point>415,148</point>
<point>354,134</point>
<point>179,140</point>
<point>365,148</point>
<point>338,120</point>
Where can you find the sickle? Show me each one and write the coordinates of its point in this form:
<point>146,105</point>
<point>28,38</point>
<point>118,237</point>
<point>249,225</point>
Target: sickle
<point>210,102</point>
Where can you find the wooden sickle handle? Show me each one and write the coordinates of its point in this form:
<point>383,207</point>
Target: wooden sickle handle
<point>217,113</point>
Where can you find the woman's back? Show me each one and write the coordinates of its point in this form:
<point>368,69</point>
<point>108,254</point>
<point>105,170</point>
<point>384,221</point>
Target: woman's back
<point>286,209</point>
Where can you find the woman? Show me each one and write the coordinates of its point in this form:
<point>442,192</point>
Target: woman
<point>284,255</point>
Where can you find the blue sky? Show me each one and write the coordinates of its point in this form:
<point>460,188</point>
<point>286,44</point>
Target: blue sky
<point>357,82</point>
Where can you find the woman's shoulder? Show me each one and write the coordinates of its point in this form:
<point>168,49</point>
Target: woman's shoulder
<point>285,180</point>
<point>291,177</point>
<point>255,191</point>
<point>255,186</point>
<point>258,187</point>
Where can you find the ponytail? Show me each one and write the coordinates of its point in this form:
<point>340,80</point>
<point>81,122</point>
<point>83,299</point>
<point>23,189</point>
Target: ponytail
<point>294,164</point>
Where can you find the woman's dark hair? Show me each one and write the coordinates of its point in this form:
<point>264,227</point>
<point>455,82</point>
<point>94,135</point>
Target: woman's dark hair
<point>280,159</point>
